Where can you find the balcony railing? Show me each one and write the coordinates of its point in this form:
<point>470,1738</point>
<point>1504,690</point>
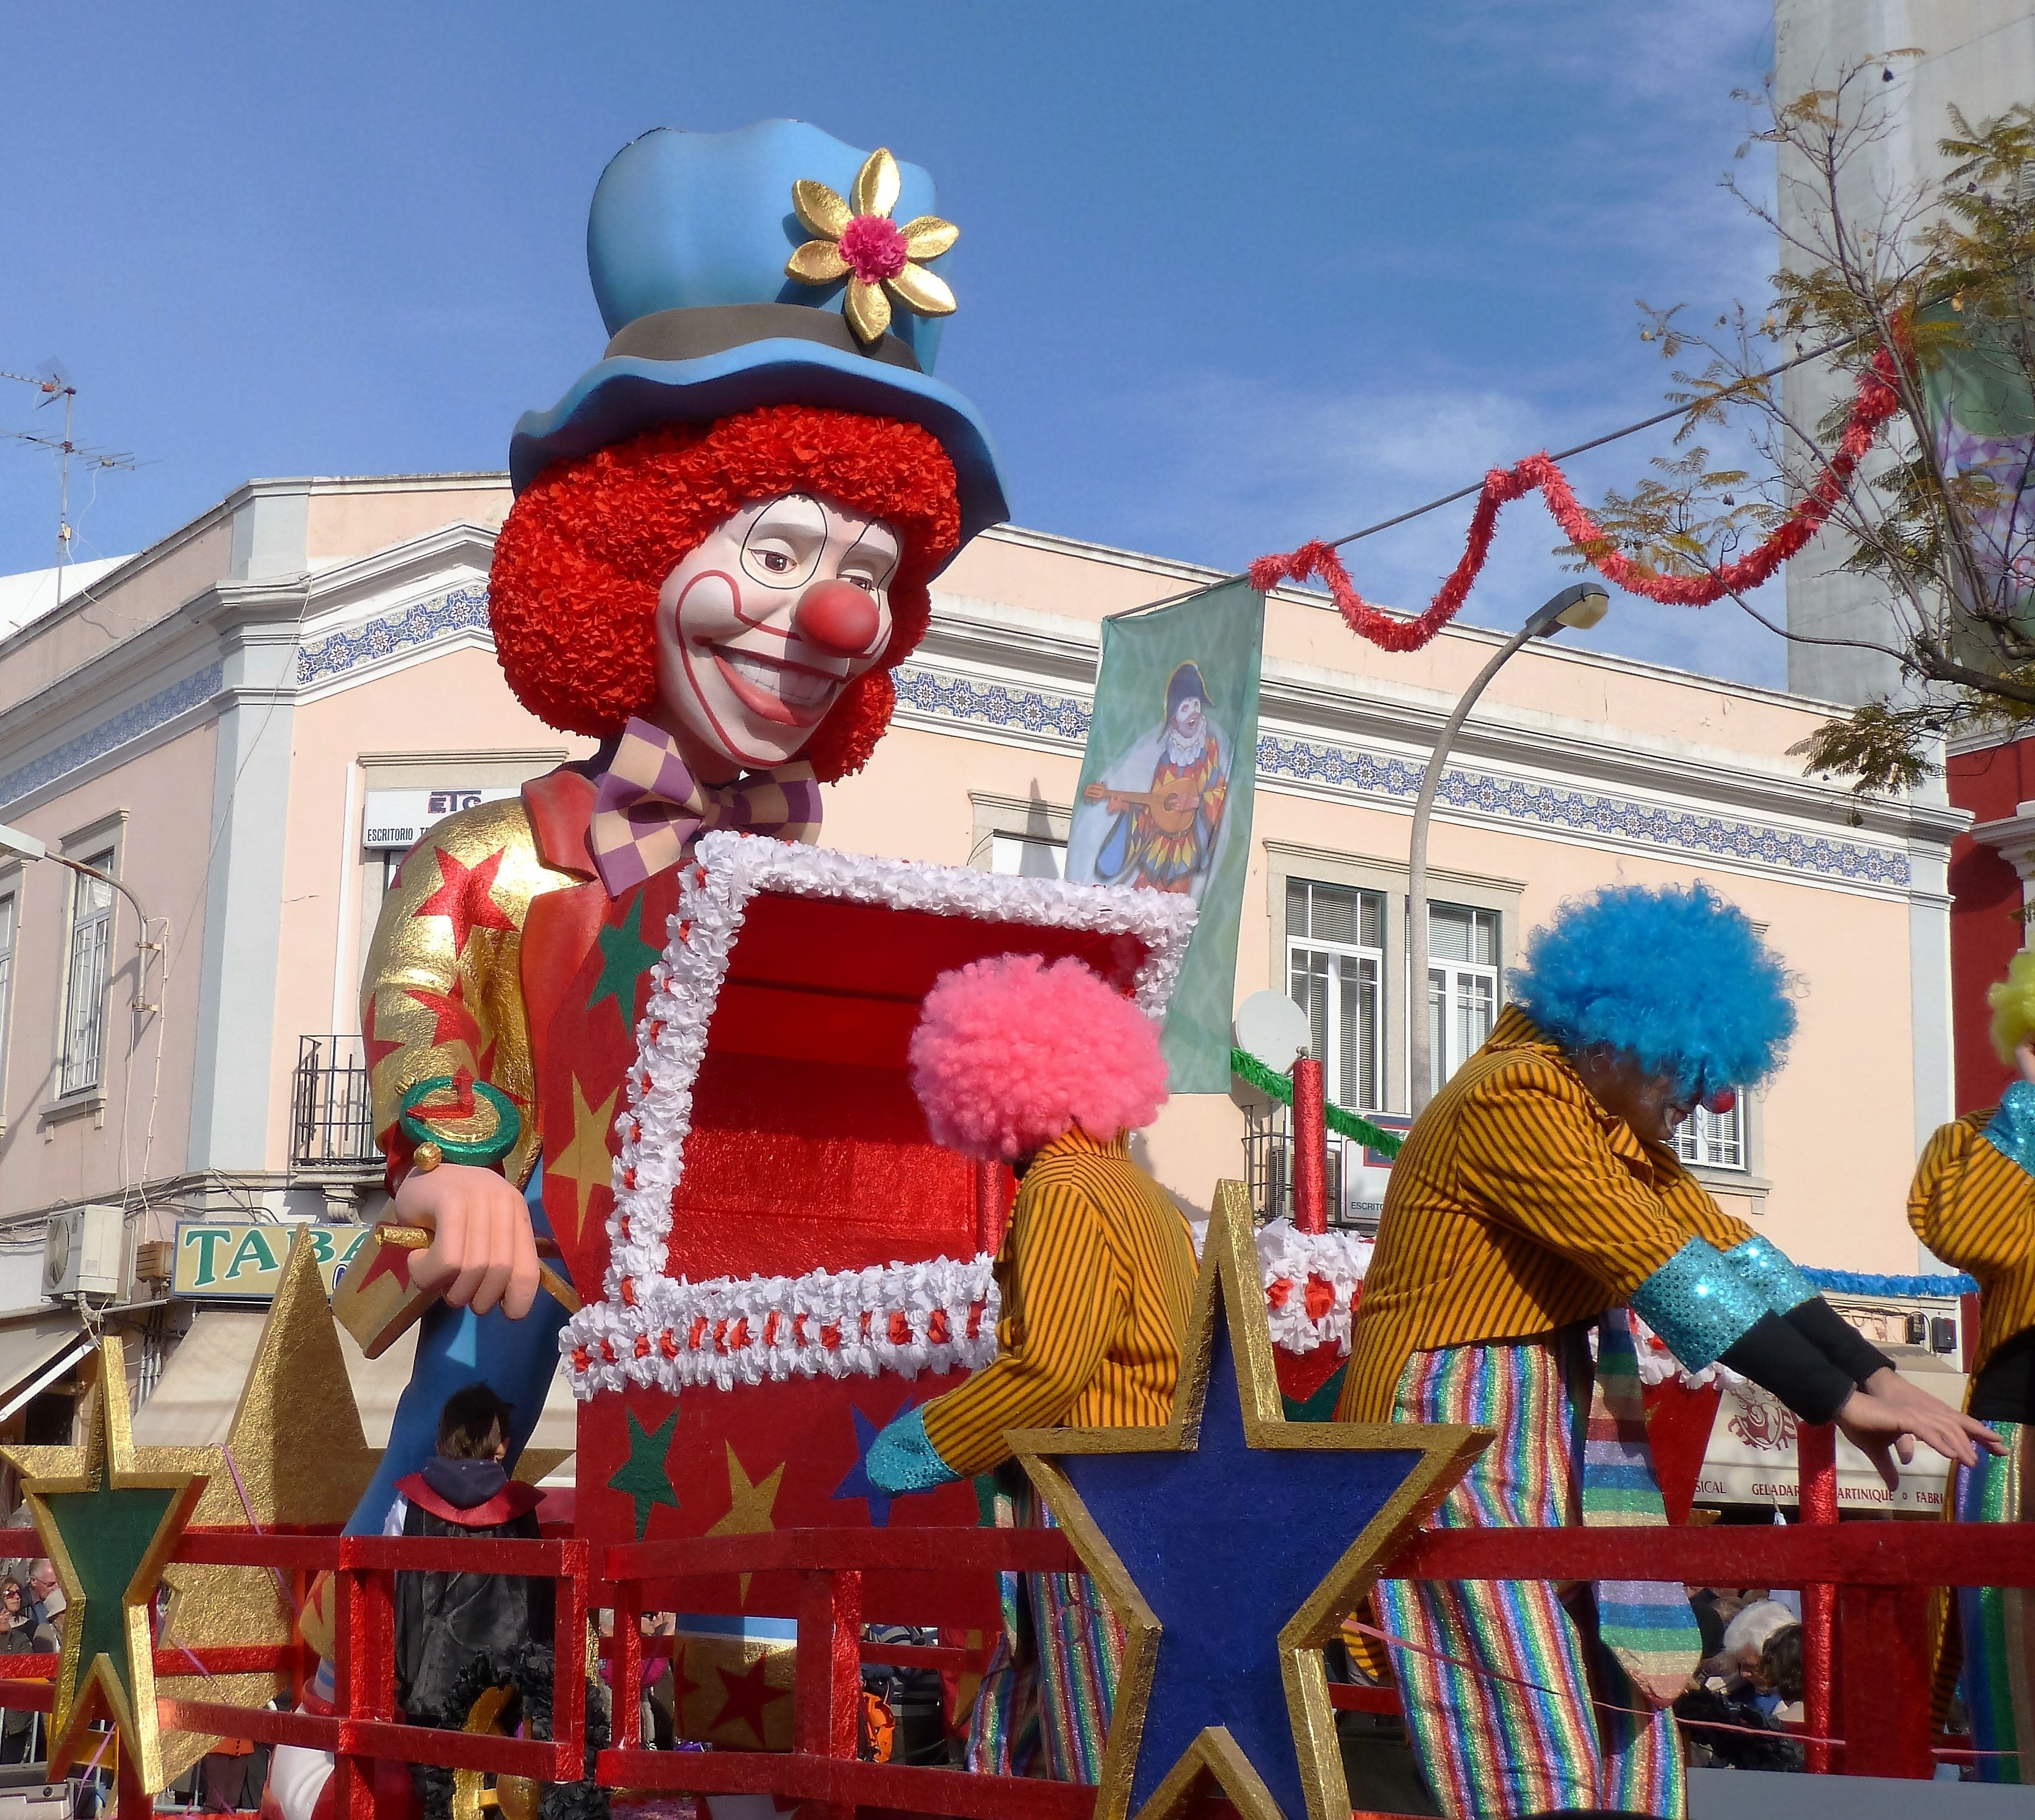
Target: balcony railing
<point>1268,1161</point>
<point>332,1121</point>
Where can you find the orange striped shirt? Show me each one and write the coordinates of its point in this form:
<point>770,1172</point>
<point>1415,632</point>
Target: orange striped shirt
<point>1517,1206</point>
<point>1097,1273</point>
<point>1975,1209</point>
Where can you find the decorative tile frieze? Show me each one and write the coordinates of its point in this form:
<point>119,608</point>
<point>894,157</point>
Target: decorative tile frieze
<point>1383,776</point>
<point>462,609</point>
<point>132,723</point>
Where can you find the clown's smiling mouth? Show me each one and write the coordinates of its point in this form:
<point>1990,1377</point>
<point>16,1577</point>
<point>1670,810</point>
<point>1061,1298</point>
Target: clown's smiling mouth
<point>792,695</point>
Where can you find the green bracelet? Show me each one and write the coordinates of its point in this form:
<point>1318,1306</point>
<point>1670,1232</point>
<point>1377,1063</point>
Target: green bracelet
<point>476,1153</point>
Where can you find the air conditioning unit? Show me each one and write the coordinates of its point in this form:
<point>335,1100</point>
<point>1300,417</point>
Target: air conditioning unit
<point>82,1253</point>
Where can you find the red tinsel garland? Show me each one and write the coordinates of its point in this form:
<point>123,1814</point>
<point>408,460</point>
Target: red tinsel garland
<point>1876,400</point>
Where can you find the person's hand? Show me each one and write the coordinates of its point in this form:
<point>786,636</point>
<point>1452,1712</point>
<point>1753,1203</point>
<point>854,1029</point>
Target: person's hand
<point>1879,1426</point>
<point>1931,1421</point>
<point>2024,1057</point>
<point>482,1251</point>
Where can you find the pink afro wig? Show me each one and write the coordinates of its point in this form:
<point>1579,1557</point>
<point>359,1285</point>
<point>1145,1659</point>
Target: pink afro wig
<point>1010,1053</point>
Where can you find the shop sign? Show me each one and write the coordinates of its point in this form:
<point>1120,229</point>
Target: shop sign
<point>1752,1457</point>
<point>397,819</point>
<point>228,1262</point>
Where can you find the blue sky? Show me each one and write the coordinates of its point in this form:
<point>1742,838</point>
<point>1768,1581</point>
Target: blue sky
<point>1230,275</point>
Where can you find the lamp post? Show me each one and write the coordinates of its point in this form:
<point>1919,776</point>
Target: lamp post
<point>25,846</point>
<point>1581,606</point>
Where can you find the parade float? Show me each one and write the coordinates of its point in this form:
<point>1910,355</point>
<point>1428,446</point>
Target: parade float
<point>666,1033</point>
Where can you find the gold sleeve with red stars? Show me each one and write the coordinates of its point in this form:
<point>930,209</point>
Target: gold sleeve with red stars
<point>442,988</point>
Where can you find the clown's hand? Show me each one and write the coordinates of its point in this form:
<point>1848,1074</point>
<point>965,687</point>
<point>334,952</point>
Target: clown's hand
<point>901,1460</point>
<point>483,1252</point>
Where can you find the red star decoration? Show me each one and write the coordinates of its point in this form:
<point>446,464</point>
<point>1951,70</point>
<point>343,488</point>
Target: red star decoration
<point>455,1022</point>
<point>747,1697</point>
<point>378,1050</point>
<point>390,1261</point>
<point>466,896</point>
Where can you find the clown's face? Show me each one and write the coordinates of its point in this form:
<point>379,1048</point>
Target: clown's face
<point>760,628</point>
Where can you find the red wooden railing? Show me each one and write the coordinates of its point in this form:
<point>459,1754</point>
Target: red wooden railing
<point>1879,1573</point>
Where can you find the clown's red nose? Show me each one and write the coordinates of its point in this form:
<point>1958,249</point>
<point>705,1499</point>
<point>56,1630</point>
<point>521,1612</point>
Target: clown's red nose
<point>837,616</point>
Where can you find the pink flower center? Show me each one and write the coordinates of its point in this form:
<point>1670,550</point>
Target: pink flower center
<point>874,246</point>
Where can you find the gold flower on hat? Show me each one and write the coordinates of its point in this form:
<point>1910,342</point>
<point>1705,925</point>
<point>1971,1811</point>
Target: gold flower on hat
<point>857,240</point>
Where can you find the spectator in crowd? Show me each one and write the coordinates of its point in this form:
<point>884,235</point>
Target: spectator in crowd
<point>1745,1636</point>
<point>1780,1672</point>
<point>17,1637</point>
<point>45,1595</point>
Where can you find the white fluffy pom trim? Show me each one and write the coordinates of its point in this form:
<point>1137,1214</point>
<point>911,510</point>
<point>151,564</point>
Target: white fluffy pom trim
<point>616,1336</point>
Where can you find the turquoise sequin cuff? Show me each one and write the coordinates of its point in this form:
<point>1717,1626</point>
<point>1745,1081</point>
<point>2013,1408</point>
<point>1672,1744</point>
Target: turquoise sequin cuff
<point>2012,1131</point>
<point>1766,1269</point>
<point>901,1460</point>
<point>1699,1304</point>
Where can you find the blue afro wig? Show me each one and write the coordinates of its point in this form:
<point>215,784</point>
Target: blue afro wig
<point>1678,976</point>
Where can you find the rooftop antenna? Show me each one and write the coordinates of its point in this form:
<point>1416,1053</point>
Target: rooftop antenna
<point>54,384</point>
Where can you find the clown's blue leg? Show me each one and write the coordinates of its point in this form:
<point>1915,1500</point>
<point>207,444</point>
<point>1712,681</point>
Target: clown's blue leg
<point>515,1359</point>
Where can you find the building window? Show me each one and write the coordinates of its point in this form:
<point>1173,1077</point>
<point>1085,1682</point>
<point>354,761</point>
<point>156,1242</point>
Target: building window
<point>85,979</point>
<point>1024,856</point>
<point>1462,985</point>
<point>1335,961</point>
<point>1714,1139</point>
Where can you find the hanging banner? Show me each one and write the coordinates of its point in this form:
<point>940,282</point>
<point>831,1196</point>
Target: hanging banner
<point>1167,787</point>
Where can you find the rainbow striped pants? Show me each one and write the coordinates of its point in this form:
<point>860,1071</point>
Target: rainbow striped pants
<point>1506,1726</point>
<point>1998,1623</point>
<point>1044,1706</point>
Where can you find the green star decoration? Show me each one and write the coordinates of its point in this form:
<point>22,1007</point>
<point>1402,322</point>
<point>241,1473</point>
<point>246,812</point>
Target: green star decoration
<point>109,1517</point>
<point>624,958</point>
<point>644,1477</point>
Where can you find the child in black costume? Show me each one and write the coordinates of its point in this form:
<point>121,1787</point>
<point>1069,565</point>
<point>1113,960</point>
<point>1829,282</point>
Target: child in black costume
<point>445,1622</point>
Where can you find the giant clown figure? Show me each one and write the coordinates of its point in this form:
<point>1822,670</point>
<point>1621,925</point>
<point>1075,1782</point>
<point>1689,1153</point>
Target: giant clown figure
<point>720,547</point>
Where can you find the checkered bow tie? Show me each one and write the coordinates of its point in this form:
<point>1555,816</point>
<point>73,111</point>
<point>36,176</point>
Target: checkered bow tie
<point>648,808</point>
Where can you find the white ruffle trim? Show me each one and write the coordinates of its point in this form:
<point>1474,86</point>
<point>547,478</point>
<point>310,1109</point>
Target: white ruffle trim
<point>905,1318</point>
<point>617,1337</point>
<point>1658,1364</point>
<point>1312,1281</point>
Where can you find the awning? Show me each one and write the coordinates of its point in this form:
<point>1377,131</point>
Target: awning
<point>1751,1458</point>
<point>35,1353</point>
<point>194,1401</point>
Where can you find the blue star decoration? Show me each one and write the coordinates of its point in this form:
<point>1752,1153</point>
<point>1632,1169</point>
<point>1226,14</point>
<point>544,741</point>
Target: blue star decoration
<point>109,1516</point>
<point>1230,1544</point>
<point>644,1476</point>
<point>857,1483</point>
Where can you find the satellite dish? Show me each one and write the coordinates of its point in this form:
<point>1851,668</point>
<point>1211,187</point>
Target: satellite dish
<point>1272,1028</point>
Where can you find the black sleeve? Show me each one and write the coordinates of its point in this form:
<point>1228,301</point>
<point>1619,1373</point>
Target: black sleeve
<point>1777,1358</point>
<point>1838,1341</point>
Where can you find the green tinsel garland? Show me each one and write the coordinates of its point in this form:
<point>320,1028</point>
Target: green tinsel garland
<point>1245,1066</point>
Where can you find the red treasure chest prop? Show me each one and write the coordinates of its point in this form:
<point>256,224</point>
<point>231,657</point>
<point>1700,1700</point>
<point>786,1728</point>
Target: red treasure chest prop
<point>791,1261</point>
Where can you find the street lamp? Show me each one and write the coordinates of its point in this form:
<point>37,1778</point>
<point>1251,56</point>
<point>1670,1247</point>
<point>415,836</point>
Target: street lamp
<point>1581,606</point>
<point>25,846</point>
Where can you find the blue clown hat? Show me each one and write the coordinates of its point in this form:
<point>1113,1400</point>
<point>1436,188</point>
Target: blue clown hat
<point>772,266</point>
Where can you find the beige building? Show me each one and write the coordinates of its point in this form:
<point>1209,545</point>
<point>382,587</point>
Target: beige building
<point>248,721</point>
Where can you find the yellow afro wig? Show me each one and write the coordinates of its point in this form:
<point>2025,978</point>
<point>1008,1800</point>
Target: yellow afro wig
<point>2013,1002</point>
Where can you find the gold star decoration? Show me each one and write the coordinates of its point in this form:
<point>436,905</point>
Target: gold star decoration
<point>109,1515</point>
<point>299,1456</point>
<point>857,240</point>
<point>585,1162</point>
<point>749,1504</point>
<point>1229,1532</point>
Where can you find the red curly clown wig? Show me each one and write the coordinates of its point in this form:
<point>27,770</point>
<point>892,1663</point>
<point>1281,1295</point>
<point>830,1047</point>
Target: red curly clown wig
<point>572,597</point>
<point>1012,1052</point>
